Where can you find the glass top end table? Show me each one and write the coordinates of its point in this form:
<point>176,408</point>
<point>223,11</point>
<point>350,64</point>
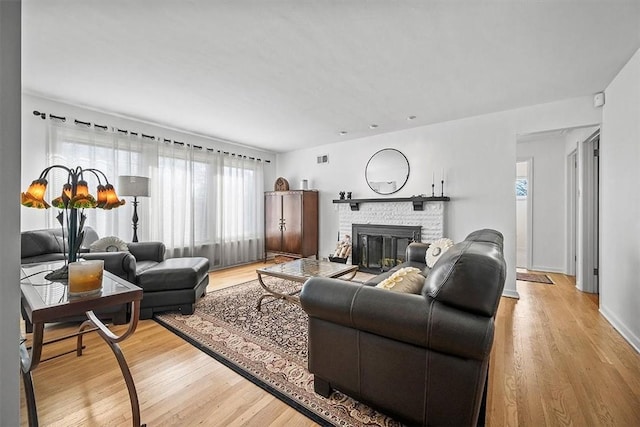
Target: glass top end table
<point>44,301</point>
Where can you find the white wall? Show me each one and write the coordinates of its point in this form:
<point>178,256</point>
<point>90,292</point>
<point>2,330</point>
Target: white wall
<point>477,153</point>
<point>548,199</point>
<point>620,203</point>
<point>9,211</point>
<point>34,143</point>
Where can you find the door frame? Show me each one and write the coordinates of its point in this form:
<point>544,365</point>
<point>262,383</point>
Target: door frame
<point>529,201</point>
<point>572,212</point>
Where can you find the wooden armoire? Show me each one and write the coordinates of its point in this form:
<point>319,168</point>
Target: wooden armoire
<point>291,223</point>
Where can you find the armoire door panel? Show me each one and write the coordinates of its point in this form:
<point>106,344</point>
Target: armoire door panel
<point>292,223</point>
<point>272,218</point>
<point>310,223</point>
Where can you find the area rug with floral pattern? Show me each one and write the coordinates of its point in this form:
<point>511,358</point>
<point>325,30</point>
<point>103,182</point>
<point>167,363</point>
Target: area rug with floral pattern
<point>268,347</point>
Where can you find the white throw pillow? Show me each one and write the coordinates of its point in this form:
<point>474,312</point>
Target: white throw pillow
<point>109,244</point>
<point>436,249</point>
<point>406,280</point>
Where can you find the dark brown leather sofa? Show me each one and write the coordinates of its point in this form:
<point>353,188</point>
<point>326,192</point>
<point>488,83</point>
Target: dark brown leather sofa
<point>422,359</point>
<point>47,245</point>
<point>171,284</point>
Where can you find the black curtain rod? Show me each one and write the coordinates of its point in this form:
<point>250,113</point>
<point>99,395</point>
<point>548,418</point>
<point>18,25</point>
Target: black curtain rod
<point>166,140</point>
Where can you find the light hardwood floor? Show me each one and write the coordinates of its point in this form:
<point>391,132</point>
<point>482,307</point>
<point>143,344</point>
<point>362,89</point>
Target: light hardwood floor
<point>555,362</point>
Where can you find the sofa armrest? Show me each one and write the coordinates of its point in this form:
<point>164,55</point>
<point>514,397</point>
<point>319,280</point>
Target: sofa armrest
<point>121,264</point>
<point>147,251</point>
<point>417,252</point>
<point>409,318</point>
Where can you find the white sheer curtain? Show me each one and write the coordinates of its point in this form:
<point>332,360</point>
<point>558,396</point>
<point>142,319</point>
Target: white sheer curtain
<point>201,203</point>
<point>241,216</point>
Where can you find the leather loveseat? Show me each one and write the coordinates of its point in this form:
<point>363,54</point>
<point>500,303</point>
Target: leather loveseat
<point>420,358</point>
<point>47,245</point>
<point>172,284</point>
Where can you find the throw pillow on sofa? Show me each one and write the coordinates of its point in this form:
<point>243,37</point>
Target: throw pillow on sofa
<point>406,280</point>
<point>109,244</point>
<point>436,249</point>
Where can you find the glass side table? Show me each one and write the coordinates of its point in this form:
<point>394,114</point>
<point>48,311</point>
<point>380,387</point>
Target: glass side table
<point>44,302</point>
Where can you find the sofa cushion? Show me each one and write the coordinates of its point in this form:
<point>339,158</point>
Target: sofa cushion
<point>39,242</point>
<point>406,280</point>
<point>109,244</point>
<point>380,277</point>
<point>436,249</point>
<point>144,265</point>
<point>90,236</point>
<point>49,244</point>
<point>173,274</point>
<point>44,258</point>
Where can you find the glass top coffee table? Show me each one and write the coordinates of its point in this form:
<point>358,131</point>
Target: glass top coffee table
<point>300,270</point>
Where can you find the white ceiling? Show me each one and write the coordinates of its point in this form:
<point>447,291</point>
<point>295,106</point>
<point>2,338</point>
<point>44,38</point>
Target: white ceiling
<point>284,75</point>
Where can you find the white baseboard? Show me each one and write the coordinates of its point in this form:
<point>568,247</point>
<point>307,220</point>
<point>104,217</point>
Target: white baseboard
<point>510,294</point>
<point>622,329</point>
<point>547,269</point>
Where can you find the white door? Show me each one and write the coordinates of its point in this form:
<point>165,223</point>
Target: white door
<point>589,223</point>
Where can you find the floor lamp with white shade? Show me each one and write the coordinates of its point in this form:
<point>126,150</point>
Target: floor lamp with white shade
<point>136,186</point>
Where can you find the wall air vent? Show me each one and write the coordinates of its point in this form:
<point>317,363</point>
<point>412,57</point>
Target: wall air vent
<point>323,158</point>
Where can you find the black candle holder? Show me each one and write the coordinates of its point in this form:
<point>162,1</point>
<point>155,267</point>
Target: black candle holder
<point>433,190</point>
<point>442,188</point>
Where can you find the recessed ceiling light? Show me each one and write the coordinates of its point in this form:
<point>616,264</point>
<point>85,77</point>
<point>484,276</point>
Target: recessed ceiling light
<point>411,117</point>
<point>373,126</point>
<point>343,132</point>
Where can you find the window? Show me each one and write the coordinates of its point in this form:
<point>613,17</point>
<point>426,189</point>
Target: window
<point>239,217</point>
<point>201,203</point>
<point>521,188</point>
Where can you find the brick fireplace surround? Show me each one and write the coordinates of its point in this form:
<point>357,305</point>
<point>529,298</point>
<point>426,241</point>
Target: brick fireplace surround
<point>431,219</point>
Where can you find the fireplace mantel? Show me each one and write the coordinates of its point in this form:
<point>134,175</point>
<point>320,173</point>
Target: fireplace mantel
<point>418,201</point>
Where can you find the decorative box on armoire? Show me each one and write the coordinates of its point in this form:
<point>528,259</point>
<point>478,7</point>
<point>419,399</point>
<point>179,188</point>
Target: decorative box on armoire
<point>291,223</point>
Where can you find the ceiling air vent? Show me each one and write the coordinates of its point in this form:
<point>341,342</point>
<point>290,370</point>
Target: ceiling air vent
<point>323,159</point>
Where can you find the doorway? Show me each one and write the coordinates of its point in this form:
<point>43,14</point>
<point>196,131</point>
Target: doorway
<point>559,232</point>
<point>524,212</point>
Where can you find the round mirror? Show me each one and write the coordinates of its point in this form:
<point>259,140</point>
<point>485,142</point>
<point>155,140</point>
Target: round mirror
<point>387,171</point>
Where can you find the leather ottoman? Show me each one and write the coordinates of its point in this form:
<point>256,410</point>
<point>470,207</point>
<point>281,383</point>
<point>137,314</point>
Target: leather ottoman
<point>173,284</point>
